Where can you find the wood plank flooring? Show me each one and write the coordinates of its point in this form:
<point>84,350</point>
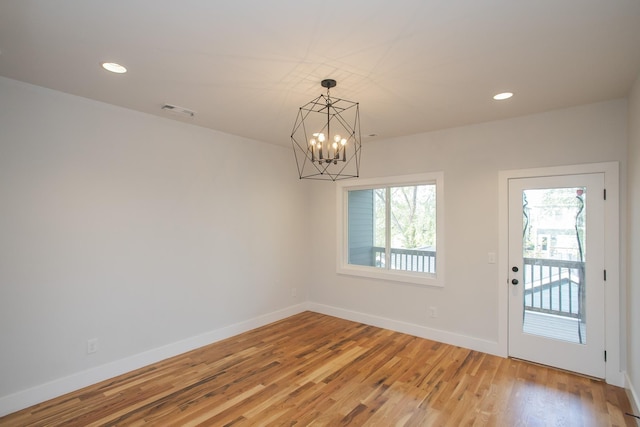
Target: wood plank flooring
<point>312,369</point>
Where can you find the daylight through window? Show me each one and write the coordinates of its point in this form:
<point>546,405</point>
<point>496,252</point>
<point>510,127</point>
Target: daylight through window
<point>392,230</point>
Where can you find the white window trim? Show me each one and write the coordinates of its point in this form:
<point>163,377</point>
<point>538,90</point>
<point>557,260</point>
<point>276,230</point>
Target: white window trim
<point>423,279</point>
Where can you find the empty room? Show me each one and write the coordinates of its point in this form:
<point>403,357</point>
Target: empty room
<point>369,213</point>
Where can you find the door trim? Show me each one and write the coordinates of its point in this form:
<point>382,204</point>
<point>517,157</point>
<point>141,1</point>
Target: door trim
<point>613,311</point>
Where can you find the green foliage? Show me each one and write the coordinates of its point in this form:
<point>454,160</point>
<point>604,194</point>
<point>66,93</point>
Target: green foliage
<point>412,216</point>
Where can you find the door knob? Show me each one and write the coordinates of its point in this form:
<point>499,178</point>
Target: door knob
<point>514,269</point>
<point>514,281</point>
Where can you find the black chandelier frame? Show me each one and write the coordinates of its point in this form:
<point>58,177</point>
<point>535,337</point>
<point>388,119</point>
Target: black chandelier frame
<point>324,115</point>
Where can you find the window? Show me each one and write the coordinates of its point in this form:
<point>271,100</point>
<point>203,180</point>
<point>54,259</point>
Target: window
<point>392,228</point>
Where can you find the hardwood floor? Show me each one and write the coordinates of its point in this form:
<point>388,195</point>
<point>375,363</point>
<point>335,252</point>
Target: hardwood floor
<point>312,369</point>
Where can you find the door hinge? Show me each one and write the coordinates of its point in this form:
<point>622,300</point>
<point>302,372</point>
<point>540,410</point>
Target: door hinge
<point>605,275</point>
<point>605,355</point>
<point>605,194</point>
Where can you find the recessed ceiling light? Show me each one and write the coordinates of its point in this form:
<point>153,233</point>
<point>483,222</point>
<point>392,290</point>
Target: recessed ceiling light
<point>502,96</point>
<point>113,67</point>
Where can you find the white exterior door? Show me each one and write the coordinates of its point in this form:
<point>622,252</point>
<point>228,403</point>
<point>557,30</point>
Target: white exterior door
<point>556,271</point>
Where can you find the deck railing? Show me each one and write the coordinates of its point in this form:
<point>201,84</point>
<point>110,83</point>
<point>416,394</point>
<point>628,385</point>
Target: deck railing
<point>554,287</point>
<point>406,259</point>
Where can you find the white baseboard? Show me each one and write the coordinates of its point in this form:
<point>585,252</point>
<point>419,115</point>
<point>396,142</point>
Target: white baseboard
<point>485,346</point>
<point>23,399</point>
<point>634,397</point>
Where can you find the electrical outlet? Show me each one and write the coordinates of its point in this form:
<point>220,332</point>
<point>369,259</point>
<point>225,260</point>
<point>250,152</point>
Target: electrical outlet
<point>92,345</point>
<point>433,312</point>
<point>294,292</point>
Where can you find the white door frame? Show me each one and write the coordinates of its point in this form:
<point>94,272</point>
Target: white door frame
<point>613,310</point>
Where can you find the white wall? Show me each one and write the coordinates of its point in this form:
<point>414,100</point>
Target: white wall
<point>470,158</point>
<point>145,232</point>
<point>633,287</point>
<point>135,230</point>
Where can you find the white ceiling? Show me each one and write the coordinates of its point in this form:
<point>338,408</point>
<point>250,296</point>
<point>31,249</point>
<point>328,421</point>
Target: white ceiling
<point>245,66</point>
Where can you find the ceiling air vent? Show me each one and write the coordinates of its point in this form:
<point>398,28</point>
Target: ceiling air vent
<point>179,111</point>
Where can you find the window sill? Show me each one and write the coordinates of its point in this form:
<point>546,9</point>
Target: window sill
<point>420,279</point>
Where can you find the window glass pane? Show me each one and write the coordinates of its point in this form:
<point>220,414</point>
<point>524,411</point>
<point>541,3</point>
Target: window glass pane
<point>413,228</point>
<point>379,209</point>
<point>361,226</point>
<point>390,229</point>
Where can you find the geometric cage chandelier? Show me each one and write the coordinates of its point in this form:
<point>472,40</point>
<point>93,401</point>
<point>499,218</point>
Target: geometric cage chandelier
<point>326,138</point>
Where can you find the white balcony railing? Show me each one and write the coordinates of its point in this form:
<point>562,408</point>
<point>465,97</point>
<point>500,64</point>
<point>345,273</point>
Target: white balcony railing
<point>418,260</point>
<point>554,287</point>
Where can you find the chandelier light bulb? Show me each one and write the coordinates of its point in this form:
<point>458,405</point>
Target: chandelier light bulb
<point>336,138</point>
<point>343,142</point>
<point>312,142</point>
<point>321,137</point>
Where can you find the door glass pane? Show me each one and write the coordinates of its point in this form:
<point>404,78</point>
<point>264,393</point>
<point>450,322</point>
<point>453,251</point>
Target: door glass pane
<point>553,246</point>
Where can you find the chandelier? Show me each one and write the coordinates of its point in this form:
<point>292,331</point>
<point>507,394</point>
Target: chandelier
<point>326,138</point>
